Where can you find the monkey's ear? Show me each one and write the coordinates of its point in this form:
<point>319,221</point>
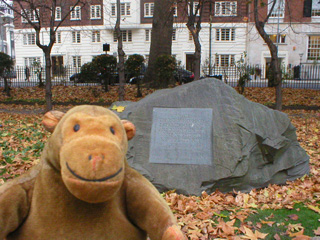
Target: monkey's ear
<point>130,128</point>
<point>51,119</point>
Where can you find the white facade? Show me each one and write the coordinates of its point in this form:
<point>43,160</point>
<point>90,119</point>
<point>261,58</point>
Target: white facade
<point>137,43</point>
<point>6,30</point>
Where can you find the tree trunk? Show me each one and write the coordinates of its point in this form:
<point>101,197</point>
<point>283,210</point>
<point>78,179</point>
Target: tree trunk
<point>6,87</point>
<point>121,54</point>
<point>275,63</point>
<point>161,37</point>
<point>48,80</point>
<point>194,26</point>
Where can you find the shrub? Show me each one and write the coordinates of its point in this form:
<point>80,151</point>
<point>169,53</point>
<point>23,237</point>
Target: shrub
<point>165,66</point>
<point>89,72</point>
<point>134,65</point>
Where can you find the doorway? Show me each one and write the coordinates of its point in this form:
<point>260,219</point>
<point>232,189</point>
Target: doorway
<point>57,65</point>
<point>189,62</point>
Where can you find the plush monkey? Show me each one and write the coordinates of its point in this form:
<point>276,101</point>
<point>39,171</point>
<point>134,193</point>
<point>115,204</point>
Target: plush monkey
<point>83,187</point>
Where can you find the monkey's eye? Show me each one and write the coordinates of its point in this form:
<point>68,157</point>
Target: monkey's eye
<point>76,127</point>
<point>112,130</point>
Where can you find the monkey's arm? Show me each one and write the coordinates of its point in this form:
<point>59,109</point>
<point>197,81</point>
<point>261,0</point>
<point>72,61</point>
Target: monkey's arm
<point>148,210</point>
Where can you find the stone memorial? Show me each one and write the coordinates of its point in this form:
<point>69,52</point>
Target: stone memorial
<point>204,136</point>
<point>181,142</point>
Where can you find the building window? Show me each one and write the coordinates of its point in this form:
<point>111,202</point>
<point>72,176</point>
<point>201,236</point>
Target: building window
<point>76,60</point>
<point>195,6</point>
<point>175,10</point>
<point>58,14</point>
<point>314,48</point>
<point>29,61</point>
<point>190,36</point>
<point>225,34</point>
<point>75,13</point>
<point>125,9</point>
<point>95,12</point>
<point>148,35</point>
<point>278,10</point>
<point>315,8</point>
<point>58,37</point>
<point>148,9</point>
<point>278,38</point>
<point>29,39</point>
<point>32,15</point>
<point>96,36</point>
<point>126,36</point>
<point>76,37</point>
<point>224,60</point>
<point>224,9</point>
<point>174,35</point>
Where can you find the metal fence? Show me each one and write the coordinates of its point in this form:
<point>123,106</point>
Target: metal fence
<point>301,76</point>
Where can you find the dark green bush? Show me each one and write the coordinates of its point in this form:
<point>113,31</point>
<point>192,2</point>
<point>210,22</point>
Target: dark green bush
<point>133,65</point>
<point>165,66</point>
<point>89,72</point>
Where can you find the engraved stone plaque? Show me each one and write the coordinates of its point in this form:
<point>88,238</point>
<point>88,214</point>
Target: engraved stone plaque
<point>181,136</point>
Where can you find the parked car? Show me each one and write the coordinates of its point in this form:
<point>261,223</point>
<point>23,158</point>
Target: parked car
<point>77,78</point>
<point>183,76</point>
<point>180,75</point>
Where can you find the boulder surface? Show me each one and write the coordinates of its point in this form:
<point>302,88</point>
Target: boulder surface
<point>252,145</point>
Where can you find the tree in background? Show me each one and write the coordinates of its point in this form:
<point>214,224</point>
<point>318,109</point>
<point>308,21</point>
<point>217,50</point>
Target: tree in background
<point>121,55</point>
<point>6,66</point>
<point>275,73</point>
<point>195,13</point>
<point>161,37</point>
<point>40,15</point>
<point>134,67</point>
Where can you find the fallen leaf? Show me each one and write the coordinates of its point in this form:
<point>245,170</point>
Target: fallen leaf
<point>316,209</point>
<point>317,231</point>
<point>294,217</point>
<point>253,236</point>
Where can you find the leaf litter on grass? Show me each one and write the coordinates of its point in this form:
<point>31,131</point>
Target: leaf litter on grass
<point>209,216</point>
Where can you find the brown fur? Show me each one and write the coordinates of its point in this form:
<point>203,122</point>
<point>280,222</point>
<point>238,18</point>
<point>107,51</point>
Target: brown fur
<point>83,187</point>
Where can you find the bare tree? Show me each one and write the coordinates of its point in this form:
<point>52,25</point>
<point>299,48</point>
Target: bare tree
<point>275,66</point>
<point>161,36</point>
<point>40,15</point>
<point>121,55</point>
<point>195,13</point>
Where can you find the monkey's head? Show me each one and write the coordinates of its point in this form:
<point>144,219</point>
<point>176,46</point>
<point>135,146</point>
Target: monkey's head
<point>88,147</point>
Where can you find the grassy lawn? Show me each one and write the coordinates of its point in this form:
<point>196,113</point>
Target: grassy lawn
<point>291,211</point>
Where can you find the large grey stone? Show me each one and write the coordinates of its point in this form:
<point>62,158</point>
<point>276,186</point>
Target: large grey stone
<point>252,145</point>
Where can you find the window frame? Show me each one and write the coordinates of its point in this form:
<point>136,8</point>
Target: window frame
<point>76,61</point>
<point>125,9</point>
<point>221,9</point>
<point>225,34</point>
<point>29,39</point>
<point>229,58</point>
<point>277,14</point>
<point>313,51</point>
<point>58,38</point>
<point>76,37</point>
<point>148,13</point>
<point>75,14</point>
<point>95,12</point>
<point>31,15</point>
<point>126,36</point>
<point>58,14</point>
<point>96,36</point>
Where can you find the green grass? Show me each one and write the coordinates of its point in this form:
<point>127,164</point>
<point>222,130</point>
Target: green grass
<point>308,219</point>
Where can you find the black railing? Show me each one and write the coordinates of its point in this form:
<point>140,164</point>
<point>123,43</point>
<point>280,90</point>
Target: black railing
<point>300,76</point>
